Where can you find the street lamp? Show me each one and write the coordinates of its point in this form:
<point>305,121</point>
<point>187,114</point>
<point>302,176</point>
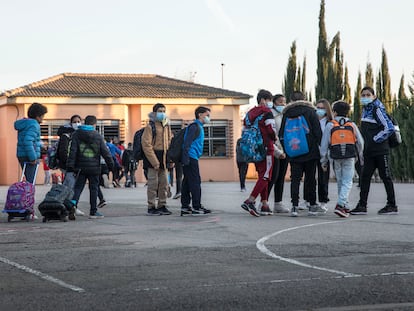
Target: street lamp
<point>222,75</point>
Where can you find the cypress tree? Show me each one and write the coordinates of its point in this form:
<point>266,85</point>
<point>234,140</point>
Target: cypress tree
<point>369,76</point>
<point>290,76</point>
<point>401,90</point>
<point>386,82</point>
<point>378,86</point>
<point>303,79</point>
<point>347,88</point>
<point>356,116</point>
<point>322,56</point>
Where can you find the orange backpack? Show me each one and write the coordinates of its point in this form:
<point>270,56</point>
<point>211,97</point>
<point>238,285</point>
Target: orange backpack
<point>342,140</point>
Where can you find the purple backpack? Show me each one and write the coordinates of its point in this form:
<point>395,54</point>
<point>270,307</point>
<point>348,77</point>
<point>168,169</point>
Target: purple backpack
<point>20,197</point>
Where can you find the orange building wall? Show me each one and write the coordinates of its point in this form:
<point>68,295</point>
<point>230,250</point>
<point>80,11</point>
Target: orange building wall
<point>223,169</point>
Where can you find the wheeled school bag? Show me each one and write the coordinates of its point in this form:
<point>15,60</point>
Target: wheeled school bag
<point>57,203</point>
<point>20,198</point>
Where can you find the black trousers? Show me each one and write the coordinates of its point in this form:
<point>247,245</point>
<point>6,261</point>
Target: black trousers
<point>297,170</point>
<point>278,178</point>
<point>191,185</point>
<point>93,190</point>
<point>242,166</point>
<point>382,163</point>
<point>323,183</point>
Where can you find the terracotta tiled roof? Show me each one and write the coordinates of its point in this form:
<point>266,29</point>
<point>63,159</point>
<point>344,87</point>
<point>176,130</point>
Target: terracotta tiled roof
<point>119,85</point>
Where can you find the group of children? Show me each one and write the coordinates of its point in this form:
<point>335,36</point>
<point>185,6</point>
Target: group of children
<point>310,139</point>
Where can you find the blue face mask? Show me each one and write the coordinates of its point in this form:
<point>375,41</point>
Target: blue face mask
<point>321,112</point>
<point>160,116</point>
<point>279,108</point>
<point>269,105</point>
<point>365,100</point>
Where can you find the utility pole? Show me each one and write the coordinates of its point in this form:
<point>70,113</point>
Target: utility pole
<point>222,75</point>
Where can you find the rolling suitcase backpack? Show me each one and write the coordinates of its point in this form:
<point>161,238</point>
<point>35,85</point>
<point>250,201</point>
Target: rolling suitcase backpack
<point>57,204</point>
<point>20,198</point>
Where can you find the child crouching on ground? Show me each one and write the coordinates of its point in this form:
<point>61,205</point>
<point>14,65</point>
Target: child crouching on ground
<point>342,142</point>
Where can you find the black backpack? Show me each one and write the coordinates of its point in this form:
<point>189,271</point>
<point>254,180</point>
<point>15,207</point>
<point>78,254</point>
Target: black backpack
<point>137,151</point>
<point>175,150</point>
<point>395,139</point>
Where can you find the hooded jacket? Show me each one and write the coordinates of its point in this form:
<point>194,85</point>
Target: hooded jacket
<point>266,126</point>
<point>155,149</point>
<point>314,137</point>
<point>376,127</point>
<point>28,139</point>
<point>86,149</point>
<point>65,135</point>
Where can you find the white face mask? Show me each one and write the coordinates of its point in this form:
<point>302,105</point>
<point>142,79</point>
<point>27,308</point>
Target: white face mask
<point>269,105</point>
<point>76,125</point>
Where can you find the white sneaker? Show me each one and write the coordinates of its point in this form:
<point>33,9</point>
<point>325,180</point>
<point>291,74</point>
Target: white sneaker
<point>294,211</point>
<point>78,212</point>
<point>304,206</point>
<point>323,206</point>
<point>280,208</point>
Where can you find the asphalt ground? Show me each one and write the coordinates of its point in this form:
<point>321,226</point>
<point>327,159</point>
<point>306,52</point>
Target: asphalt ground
<point>227,260</point>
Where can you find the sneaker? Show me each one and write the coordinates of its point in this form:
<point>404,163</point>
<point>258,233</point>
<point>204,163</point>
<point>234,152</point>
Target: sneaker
<point>186,211</point>
<point>97,215</point>
<point>247,205</point>
<point>388,210</point>
<point>164,211</point>
<point>72,213</point>
<point>78,212</point>
<point>250,207</point>
<point>101,204</point>
<point>265,211</point>
<point>205,210</point>
<point>243,190</point>
<point>359,210</point>
<point>153,212</point>
<point>280,208</point>
<point>324,206</point>
<point>315,210</point>
<point>341,211</point>
<point>304,206</point>
<point>177,196</point>
<point>294,211</point>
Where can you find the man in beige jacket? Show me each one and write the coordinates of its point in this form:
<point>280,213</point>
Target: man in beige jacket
<point>155,160</point>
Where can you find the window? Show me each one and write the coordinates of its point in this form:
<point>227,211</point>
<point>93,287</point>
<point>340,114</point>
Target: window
<point>217,139</point>
<point>107,128</point>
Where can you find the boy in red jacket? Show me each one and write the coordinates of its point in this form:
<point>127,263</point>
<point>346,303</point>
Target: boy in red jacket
<point>263,168</point>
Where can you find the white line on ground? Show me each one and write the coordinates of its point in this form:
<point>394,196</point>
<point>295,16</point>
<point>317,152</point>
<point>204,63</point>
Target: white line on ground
<point>260,245</point>
<point>41,275</point>
<point>247,283</point>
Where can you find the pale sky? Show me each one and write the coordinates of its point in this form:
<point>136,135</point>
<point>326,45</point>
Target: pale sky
<point>194,37</point>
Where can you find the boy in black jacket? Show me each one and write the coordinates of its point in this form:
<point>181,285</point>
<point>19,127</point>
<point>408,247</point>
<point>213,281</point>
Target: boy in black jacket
<point>85,151</point>
<point>306,163</point>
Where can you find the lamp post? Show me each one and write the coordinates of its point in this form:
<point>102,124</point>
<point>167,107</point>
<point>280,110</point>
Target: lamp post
<point>222,75</point>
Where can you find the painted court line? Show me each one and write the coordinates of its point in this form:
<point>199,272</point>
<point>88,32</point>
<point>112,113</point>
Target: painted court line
<point>260,245</point>
<point>42,275</point>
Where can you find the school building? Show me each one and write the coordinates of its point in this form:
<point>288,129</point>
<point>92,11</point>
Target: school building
<point>121,103</point>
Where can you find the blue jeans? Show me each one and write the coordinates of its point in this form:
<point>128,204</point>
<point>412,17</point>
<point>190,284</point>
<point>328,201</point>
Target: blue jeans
<point>344,171</point>
<point>30,171</point>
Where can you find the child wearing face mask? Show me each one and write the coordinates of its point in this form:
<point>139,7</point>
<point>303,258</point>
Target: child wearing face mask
<point>155,160</point>
<point>325,115</point>
<point>264,168</point>
<point>65,133</point>
<point>376,128</point>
